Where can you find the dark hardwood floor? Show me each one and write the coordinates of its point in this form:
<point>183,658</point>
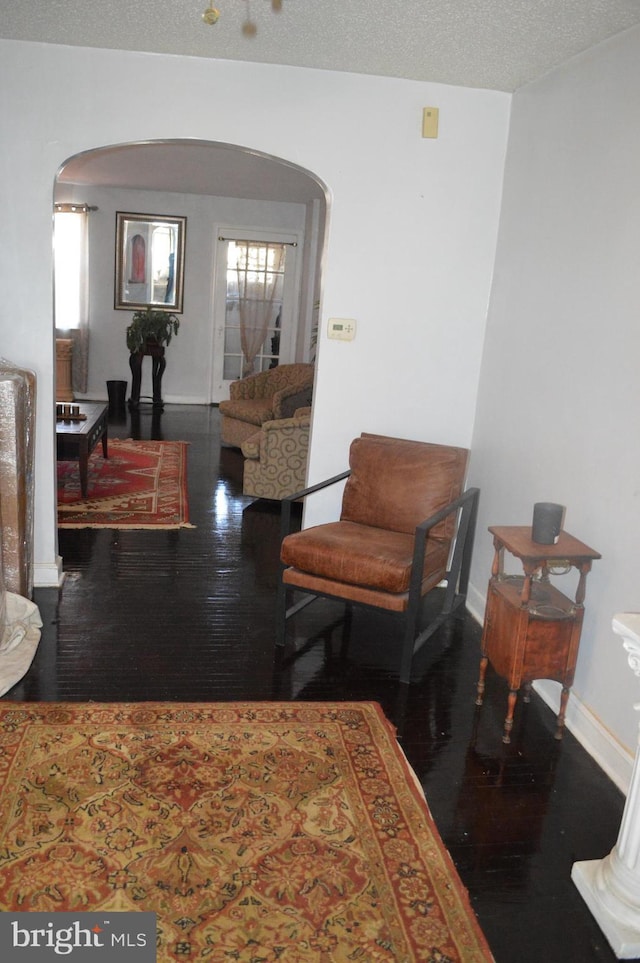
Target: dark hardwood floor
<point>189,615</point>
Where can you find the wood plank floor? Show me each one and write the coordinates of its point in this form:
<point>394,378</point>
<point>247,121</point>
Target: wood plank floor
<point>189,615</point>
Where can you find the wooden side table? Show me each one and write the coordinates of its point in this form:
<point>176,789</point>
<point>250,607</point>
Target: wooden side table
<point>531,630</point>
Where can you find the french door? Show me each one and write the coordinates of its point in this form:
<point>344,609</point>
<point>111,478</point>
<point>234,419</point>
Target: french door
<point>255,289</point>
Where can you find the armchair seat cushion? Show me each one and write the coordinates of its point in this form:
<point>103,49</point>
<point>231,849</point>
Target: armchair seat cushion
<point>363,555</point>
<point>255,411</point>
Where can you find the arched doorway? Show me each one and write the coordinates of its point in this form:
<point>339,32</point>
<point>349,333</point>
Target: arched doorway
<point>211,184</point>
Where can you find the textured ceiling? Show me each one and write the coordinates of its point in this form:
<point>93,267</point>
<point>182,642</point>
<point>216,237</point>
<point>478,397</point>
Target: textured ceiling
<point>495,44</point>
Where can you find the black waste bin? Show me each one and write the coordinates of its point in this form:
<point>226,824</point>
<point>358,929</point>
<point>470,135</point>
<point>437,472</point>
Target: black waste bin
<point>117,391</point>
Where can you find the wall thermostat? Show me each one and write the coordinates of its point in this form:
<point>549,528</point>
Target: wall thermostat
<point>342,329</point>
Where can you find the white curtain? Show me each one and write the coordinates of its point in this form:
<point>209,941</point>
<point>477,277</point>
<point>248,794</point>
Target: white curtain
<point>71,285</point>
<point>259,269</point>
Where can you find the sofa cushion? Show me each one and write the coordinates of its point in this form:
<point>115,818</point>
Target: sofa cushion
<point>287,401</point>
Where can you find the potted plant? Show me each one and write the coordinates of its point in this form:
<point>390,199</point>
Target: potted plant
<point>151,325</point>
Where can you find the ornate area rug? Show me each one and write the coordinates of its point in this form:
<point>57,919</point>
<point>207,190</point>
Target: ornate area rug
<point>279,832</point>
<point>142,484</point>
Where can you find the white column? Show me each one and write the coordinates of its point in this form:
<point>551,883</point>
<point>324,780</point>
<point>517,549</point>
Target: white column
<point>611,886</point>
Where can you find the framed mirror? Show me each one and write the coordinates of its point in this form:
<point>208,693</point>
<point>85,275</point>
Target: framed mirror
<point>149,262</point>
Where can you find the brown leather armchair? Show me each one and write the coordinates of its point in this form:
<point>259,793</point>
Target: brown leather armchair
<point>405,527</point>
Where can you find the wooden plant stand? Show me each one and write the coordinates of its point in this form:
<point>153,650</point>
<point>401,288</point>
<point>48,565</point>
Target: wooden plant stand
<point>158,362</point>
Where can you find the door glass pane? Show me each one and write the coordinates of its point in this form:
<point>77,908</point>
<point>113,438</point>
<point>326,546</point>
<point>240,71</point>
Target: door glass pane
<point>232,369</point>
<point>255,286</point>
<point>232,341</point>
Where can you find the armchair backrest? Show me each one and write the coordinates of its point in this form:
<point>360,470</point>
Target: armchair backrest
<point>396,484</point>
<point>266,384</point>
<point>285,375</point>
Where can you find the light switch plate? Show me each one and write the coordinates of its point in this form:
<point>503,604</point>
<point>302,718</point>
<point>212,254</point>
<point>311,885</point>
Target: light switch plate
<point>341,329</point>
<point>430,121</point>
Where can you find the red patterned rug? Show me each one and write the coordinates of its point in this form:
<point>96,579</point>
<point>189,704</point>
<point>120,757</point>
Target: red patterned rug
<point>257,832</point>
<point>142,484</point>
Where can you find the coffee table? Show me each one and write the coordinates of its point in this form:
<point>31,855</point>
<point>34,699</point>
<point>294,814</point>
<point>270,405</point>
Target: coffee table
<point>77,439</point>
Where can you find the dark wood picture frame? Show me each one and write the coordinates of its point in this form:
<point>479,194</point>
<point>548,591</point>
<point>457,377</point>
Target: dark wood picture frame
<point>149,262</point>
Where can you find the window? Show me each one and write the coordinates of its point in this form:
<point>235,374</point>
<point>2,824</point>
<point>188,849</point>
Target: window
<point>70,266</point>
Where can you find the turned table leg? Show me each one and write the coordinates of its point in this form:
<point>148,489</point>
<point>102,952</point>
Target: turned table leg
<point>564,698</point>
<point>508,722</point>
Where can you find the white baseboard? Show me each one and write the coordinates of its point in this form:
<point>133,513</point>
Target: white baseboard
<point>476,603</point>
<point>593,736</point>
<point>48,574</point>
<point>185,400</point>
<point>167,399</point>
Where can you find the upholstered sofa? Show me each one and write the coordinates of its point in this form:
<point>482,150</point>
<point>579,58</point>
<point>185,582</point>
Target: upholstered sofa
<point>265,396</point>
<point>275,463</point>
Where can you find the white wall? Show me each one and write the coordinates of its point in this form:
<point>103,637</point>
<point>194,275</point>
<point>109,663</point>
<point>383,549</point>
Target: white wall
<point>559,400</point>
<point>412,229</point>
<point>187,378</point>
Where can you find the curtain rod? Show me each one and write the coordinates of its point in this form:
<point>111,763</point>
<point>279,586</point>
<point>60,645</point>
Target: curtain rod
<point>73,208</point>
<point>245,240</point>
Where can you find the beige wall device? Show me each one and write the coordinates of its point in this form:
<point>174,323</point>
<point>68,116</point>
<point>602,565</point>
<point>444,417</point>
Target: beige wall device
<point>341,329</point>
<point>430,121</point>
